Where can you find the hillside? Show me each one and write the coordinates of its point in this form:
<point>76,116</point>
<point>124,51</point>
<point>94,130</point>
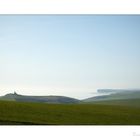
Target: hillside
<point>116,95</point>
<point>123,102</point>
<point>42,99</point>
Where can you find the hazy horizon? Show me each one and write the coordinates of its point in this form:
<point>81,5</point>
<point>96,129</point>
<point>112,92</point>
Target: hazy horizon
<point>71,55</point>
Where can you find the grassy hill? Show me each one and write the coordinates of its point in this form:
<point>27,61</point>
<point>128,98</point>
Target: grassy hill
<point>115,96</point>
<point>67,114</point>
<point>42,99</point>
<point>123,102</point>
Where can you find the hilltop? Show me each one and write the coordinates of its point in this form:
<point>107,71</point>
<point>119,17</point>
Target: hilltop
<point>42,99</point>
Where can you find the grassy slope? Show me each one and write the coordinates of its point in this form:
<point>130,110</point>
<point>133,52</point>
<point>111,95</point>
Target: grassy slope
<point>115,96</point>
<point>123,102</point>
<point>39,99</point>
<point>39,113</point>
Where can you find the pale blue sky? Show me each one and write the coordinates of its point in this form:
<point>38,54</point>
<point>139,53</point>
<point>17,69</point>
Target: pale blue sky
<point>68,55</point>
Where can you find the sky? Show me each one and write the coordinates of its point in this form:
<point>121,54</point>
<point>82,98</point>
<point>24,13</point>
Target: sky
<point>69,55</point>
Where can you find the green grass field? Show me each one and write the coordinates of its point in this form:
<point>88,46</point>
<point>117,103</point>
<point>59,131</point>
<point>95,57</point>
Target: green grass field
<point>67,114</point>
